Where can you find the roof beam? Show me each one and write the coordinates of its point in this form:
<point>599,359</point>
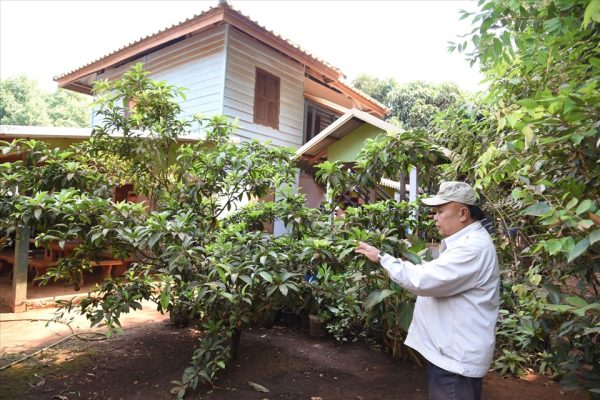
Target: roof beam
<point>326,103</point>
<point>79,87</point>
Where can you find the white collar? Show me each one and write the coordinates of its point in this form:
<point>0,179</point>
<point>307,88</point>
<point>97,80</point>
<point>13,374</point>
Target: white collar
<point>464,231</point>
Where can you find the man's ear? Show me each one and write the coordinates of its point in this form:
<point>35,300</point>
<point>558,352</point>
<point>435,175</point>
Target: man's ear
<point>465,214</point>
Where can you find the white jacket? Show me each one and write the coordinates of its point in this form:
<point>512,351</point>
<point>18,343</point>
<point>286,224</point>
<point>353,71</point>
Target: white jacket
<point>455,315</point>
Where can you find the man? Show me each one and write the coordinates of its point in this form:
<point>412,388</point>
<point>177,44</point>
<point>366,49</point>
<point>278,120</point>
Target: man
<point>454,319</point>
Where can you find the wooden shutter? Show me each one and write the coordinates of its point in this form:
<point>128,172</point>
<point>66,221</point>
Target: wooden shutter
<point>266,99</point>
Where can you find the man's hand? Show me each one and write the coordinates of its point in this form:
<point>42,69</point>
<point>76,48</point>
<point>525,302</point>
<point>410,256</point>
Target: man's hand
<point>368,251</point>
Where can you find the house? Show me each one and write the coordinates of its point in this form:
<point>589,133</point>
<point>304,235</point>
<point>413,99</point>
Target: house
<point>233,66</point>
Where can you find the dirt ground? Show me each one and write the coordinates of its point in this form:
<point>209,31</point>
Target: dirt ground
<point>142,362</point>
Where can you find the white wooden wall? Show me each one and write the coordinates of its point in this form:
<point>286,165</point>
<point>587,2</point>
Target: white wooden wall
<point>244,54</point>
<point>196,63</point>
<point>220,80</point>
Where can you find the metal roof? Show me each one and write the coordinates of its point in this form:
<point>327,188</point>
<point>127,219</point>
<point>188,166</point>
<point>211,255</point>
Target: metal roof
<point>196,16</point>
<point>215,10</point>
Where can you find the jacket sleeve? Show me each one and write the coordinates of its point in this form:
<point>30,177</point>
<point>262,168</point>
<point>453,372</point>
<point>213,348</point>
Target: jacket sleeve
<point>455,271</point>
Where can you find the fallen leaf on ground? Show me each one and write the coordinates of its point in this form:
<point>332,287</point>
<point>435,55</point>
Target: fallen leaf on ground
<point>257,387</point>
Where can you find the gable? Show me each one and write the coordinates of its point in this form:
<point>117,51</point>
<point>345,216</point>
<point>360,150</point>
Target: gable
<point>81,78</point>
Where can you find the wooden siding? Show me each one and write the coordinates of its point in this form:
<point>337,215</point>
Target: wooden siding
<point>244,54</point>
<point>195,63</point>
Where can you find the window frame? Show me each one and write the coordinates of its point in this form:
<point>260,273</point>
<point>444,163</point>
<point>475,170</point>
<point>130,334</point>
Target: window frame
<point>267,99</point>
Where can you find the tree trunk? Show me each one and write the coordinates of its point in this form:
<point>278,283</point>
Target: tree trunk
<point>235,343</point>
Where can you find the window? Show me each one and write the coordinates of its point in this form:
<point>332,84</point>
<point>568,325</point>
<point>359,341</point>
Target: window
<point>266,99</point>
<point>317,119</point>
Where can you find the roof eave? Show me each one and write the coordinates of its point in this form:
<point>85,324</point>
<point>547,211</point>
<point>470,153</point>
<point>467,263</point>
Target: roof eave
<point>353,113</point>
<point>197,24</point>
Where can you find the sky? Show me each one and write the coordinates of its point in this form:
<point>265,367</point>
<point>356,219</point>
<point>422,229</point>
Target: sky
<point>404,40</point>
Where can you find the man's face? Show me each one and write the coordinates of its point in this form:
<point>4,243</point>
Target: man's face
<point>450,218</point>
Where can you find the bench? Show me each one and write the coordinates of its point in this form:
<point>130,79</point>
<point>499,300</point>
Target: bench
<point>41,265</point>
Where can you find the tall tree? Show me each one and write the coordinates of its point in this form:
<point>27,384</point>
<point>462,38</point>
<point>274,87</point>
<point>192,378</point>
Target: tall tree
<point>66,108</point>
<point>22,102</point>
<point>375,87</point>
<point>413,105</point>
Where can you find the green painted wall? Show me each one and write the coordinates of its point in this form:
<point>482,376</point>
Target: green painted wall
<point>63,143</point>
<point>347,148</point>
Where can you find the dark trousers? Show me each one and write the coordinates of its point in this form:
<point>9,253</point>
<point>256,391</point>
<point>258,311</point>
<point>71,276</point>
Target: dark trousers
<point>444,385</point>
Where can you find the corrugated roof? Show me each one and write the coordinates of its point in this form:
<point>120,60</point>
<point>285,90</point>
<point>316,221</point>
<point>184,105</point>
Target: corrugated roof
<point>215,10</point>
<point>320,60</point>
<point>196,16</point>
<point>57,77</point>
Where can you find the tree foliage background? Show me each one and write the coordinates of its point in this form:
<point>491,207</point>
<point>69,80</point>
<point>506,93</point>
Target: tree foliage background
<point>532,148</point>
<point>413,105</point>
<point>22,102</point>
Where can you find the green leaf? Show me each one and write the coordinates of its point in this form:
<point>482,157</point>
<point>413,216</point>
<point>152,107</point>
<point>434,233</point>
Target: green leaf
<point>592,13</point>
<point>528,103</point>
<point>584,206</point>
<point>572,203</point>
<point>222,274</point>
<point>376,297</point>
<point>576,301</point>
<point>553,246</point>
<point>228,296</point>
<point>528,135</point>
<point>558,307</point>
<point>405,315</point>
<point>582,310</point>
<point>513,118</point>
<point>266,276</point>
<point>578,249</point>
<point>154,239</point>
<point>537,209</point>
<point>283,289</point>
<point>246,279</point>
<point>165,297</point>
<point>569,106</point>
<point>412,257</point>
<point>594,236</point>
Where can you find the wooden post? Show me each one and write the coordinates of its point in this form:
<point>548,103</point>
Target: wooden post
<point>19,287</point>
<point>402,187</point>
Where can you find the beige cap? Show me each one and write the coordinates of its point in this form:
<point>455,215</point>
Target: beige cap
<point>459,192</point>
